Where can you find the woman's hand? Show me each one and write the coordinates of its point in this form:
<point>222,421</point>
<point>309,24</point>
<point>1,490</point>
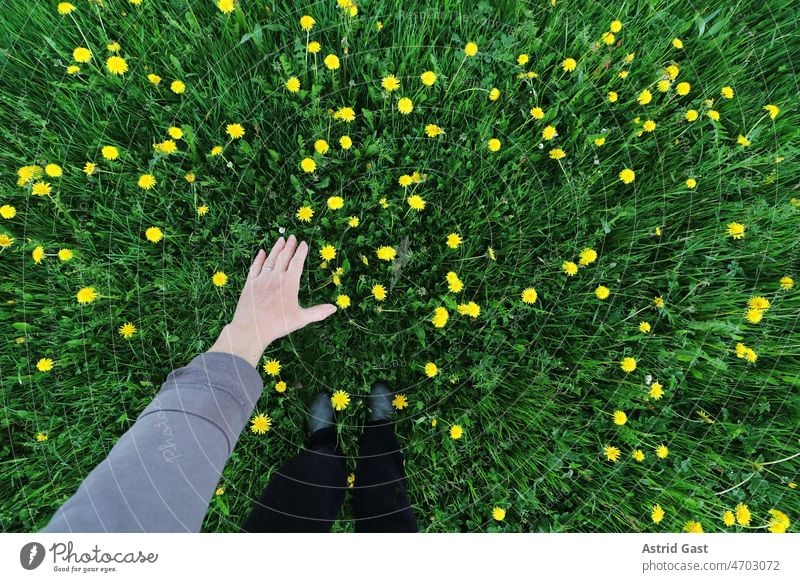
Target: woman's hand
<point>268,307</point>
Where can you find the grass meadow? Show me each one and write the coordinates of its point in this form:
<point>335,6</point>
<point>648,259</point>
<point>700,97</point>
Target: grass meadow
<point>621,352</point>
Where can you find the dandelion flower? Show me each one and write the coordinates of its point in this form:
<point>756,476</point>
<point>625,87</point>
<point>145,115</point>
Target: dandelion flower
<point>743,141</point>
<point>587,256</point>
<point>493,145</point>
<point>602,292</point>
<point>773,110</point>
<point>658,301</point>
<point>340,399</point>
<point>260,423</point>
<point>754,315</point>
<point>41,437</point>
<point>400,402</point>
<point>638,455</point>
<point>453,240</point>
<point>353,222</point>
<point>570,268</point>
<point>440,317</point>
<point>786,281</point>
<point>390,83</point>
<point>611,453</point>
<point>328,252</point>
<point>110,152</point>
<point>428,78</point>
<point>65,8</point>
<point>677,43</point>
<point>154,79</point>
<point>308,165</point>
<point>116,65</point>
<point>82,55</point>
<point>147,181</point>
<point>7,211</point>
<point>612,97</point>
<point>692,526</point>
<point>416,202</point>
<point>600,141</point>
<point>649,126</point>
<point>742,514</point>
<point>431,370</point>
<point>657,514</point>
<point>321,146</point>
<point>644,327</point>
<point>569,64</point>
<point>645,97</point>
<point>627,176</point>
<point>620,418</point>
<point>154,234</point>
<point>433,130</point>
<point>662,451</point>
<point>44,364</point>
<point>5,240</point>
<point>307,22</point>
<point>335,202</point>
<point>305,213</point>
<point>456,432</point>
<point>314,47</point>
<point>386,253</point>
<point>471,309</point>
<point>454,284</point>
<point>779,522</point>
<point>529,295</point>
<point>126,330</point>
<point>498,513</point>
<point>379,292</point>
<point>346,142</point>
<point>405,105</point>
<point>86,295</point>
<point>331,62</point>
<point>280,387</point>
<point>235,130</point>
<point>628,364</point>
<point>494,94</point>
<point>38,254</point>
<point>537,113</point>
<point>728,518</point>
<point>471,49</point>
<point>736,230</point>
<point>41,189</point>
<point>219,279</point>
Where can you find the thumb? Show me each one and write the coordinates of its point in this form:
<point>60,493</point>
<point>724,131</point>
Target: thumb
<point>318,312</point>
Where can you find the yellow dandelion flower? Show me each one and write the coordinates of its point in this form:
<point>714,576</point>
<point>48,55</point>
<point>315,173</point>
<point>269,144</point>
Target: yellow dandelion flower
<point>470,49</point>
<point>453,240</point>
<point>431,370</point>
<point>340,399</point>
<point>611,453</point>
<point>657,513</point>
<point>529,295</point>
<point>456,432</point>
<point>628,364</point>
<point>234,130</point>
<point>219,279</point>
<point>386,253</point>
<point>44,364</point>
<point>126,330</point>
<point>620,418</point>
<point>736,230</point>
<point>154,234</point>
<point>400,402</point>
<point>662,451</point>
<point>116,65</point>
<point>86,295</point>
<point>260,424</point>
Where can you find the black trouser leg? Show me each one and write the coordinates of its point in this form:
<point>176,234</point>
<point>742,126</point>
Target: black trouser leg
<point>380,500</point>
<point>305,495</point>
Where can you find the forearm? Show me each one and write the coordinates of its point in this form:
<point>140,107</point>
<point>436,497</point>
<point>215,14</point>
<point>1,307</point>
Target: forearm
<point>162,472</point>
<point>240,342</point>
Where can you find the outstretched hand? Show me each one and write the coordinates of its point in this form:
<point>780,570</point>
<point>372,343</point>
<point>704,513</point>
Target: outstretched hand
<point>268,307</point>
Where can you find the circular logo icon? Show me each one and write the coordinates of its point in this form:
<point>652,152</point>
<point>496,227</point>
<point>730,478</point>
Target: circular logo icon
<point>31,555</point>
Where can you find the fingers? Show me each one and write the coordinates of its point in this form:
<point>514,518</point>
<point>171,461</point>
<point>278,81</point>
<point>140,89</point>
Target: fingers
<point>286,254</point>
<point>258,262</point>
<point>269,262</point>
<point>318,312</point>
<point>299,259</point>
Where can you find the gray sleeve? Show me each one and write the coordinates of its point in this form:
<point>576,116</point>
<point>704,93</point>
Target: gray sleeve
<point>161,474</point>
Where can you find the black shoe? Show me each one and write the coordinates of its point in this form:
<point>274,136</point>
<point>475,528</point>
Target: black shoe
<point>380,402</point>
<point>320,413</point>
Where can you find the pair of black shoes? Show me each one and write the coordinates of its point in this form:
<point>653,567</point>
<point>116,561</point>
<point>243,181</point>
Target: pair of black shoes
<point>320,411</point>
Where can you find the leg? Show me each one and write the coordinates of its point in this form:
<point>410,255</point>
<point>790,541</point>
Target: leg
<point>305,495</point>
<point>380,500</point>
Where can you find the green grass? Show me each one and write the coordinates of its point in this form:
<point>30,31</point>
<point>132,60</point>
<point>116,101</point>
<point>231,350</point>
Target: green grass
<point>533,386</point>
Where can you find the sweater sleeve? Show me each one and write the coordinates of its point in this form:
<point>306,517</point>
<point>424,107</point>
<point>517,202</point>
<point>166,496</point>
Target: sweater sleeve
<point>161,474</point>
